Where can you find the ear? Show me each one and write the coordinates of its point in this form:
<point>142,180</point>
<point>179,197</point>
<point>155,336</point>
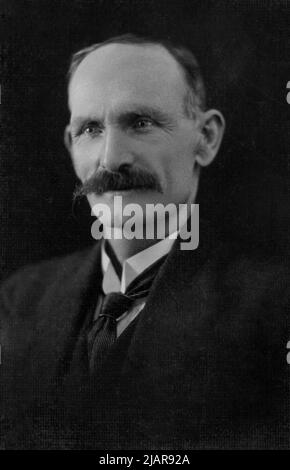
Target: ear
<point>212,131</point>
<point>67,138</point>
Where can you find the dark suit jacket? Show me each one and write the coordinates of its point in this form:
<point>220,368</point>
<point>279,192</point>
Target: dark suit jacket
<point>203,366</point>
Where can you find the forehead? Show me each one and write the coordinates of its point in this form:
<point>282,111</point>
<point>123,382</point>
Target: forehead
<point>117,74</point>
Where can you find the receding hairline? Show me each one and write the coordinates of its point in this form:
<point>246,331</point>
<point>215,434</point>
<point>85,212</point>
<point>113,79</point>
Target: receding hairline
<point>182,56</point>
<point>150,59</point>
<point>129,45</point>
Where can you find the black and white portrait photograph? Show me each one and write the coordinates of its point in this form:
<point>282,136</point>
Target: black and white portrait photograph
<point>145,227</point>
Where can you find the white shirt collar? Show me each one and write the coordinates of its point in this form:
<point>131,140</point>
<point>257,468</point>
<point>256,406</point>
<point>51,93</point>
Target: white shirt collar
<point>136,264</point>
<point>133,266</point>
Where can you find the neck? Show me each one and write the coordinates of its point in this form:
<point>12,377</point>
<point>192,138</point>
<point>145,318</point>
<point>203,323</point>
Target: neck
<point>124,249</point>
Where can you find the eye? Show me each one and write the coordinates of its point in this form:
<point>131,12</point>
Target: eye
<point>91,129</point>
<point>143,123</point>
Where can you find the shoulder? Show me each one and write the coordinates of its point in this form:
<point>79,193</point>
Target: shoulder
<point>244,286</point>
<point>252,277</point>
<point>34,280</point>
<point>253,296</point>
<point>254,272</point>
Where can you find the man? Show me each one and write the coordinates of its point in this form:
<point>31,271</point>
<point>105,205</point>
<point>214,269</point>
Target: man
<point>138,343</point>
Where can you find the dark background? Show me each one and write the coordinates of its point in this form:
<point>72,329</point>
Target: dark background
<point>244,50</point>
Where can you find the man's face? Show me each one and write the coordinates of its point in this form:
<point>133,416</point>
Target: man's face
<point>128,110</point>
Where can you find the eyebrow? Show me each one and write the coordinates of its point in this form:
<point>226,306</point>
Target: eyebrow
<point>128,114</point>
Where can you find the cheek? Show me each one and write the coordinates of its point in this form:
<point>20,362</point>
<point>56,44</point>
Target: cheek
<point>82,163</point>
<point>180,163</point>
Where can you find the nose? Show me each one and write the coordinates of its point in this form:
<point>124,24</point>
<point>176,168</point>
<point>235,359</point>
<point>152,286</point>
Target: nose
<point>116,150</point>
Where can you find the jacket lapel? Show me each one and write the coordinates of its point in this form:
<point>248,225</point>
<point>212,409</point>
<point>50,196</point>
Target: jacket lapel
<point>39,347</point>
<point>165,363</point>
<point>63,317</point>
<point>175,303</point>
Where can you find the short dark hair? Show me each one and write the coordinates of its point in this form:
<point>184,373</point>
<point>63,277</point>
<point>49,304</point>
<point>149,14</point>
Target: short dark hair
<point>196,96</point>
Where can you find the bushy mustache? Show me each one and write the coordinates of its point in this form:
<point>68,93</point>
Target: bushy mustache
<point>129,178</point>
